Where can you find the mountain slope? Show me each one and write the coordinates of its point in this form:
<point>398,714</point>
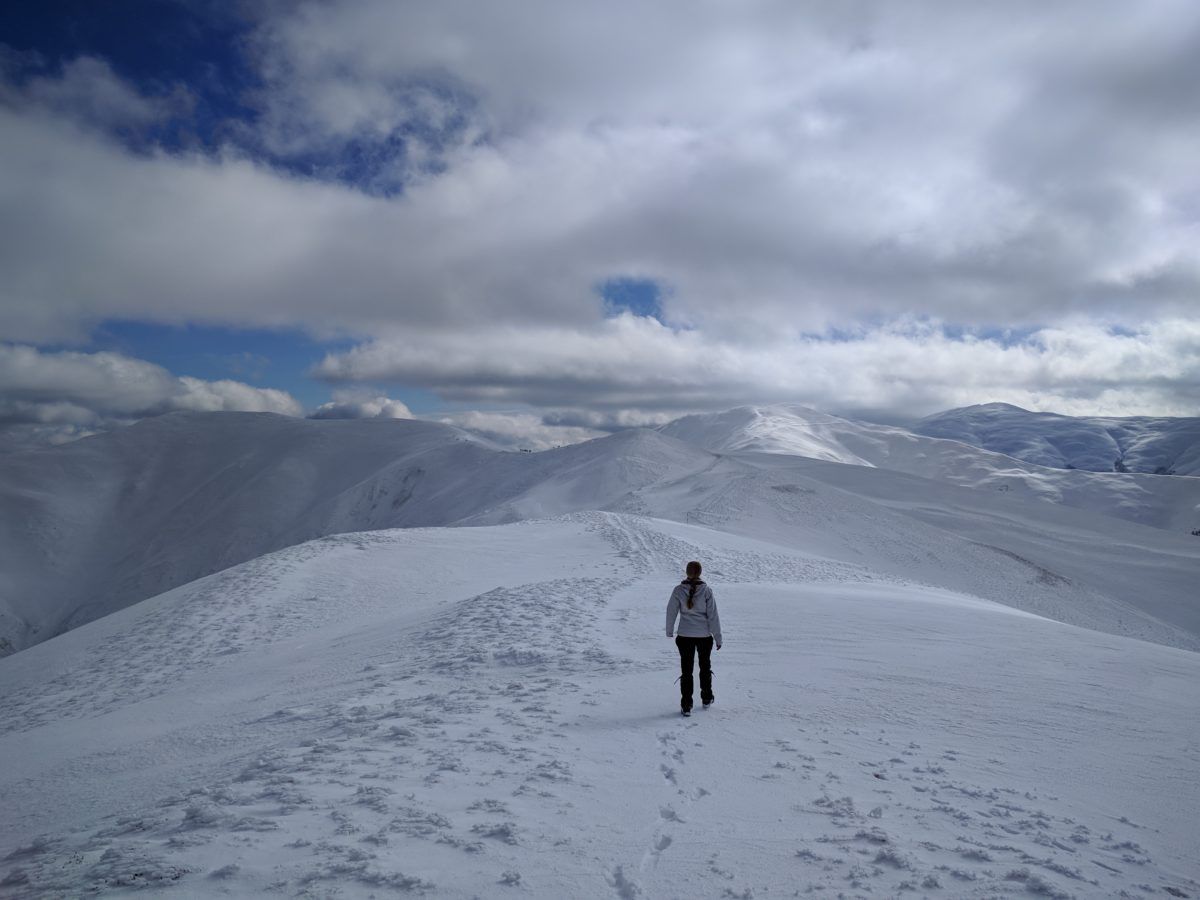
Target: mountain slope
<point>1093,571</point>
<point>1144,444</point>
<point>793,430</point>
<point>94,525</point>
<point>486,711</point>
<point>91,527</point>
<point>781,428</point>
<point>98,524</point>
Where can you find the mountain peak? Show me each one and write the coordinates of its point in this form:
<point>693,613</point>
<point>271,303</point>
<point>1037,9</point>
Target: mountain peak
<point>994,407</point>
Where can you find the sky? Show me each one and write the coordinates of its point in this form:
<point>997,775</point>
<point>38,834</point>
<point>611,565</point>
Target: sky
<point>548,221</point>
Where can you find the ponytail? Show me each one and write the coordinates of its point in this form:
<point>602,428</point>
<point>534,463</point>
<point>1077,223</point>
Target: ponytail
<point>693,581</point>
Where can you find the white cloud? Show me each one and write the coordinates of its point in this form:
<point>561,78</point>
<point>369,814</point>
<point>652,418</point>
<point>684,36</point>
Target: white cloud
<point>636,363</point>
<point>88,90</point>
<point>50,397</point>
<point>103,383</point>
<point>519,430</point>
<point>811,164</point>
<point>814,161</point>
<point>783,169</point>
<point>356,405</point>
<point>224,395</point>
<point>16,438</point>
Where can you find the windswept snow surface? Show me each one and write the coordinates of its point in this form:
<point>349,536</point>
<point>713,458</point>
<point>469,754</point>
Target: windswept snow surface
<point>1094,571</point>
<point>491,712</point>
<point>1147,444</point>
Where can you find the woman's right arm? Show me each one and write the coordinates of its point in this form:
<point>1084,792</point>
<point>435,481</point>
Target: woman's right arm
<point>672,613</point>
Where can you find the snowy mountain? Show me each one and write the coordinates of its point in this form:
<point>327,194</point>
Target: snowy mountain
<point>933,681</point>
<point>787,428</point>
<point>1160,446</point>
<point>793,430</point>
<point>94,526</point>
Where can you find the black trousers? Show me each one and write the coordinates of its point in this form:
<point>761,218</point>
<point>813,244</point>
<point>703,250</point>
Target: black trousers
<point>688,647</point>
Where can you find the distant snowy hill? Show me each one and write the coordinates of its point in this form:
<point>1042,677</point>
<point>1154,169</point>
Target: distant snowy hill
<point>793,430</point>
<point>92,527</point>
<point>787,428</point>
<point>1160,446</point>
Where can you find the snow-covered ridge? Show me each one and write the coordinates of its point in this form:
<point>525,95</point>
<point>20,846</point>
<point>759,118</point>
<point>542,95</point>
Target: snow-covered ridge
<point>1145,444</point>
<point>93,526</point>
<point>933,682</point>
<point>794,430</point>
<point>781,428</point>
<point>97,525</point>
<point>485,712</point>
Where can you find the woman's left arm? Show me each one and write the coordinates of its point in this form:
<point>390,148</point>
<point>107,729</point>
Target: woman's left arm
<point>714,619</point>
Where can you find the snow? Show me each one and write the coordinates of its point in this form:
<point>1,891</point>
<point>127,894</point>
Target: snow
<point>94,526</point>
<point>1145,444</point>
<point>484,711</point>
<point>793,430</point>
<point>783,428</point>
<point>946,672</point>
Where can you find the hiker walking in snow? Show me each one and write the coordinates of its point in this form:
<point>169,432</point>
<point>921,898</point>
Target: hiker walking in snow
<point>692,602</point>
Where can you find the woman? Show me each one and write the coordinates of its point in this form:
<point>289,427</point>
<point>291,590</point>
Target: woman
<point>692,602</point>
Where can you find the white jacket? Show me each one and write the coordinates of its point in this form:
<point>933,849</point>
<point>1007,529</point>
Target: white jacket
<point>699,621</point>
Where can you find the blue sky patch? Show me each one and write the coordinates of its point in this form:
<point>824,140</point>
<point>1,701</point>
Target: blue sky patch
<point>263,358</point>
<point>640,296</point>
<point>156,45</point>
<point>163,46</point>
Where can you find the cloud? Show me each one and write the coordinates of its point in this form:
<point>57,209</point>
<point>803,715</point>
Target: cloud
<point>638,364</point>
<point>817,165</point>
<point>520,430</point>
<point>805,184</point>
<point>225,395</point>
<point>355,405</point>
<point>813,162</point>
<point>18,438</point>
<point>89,90</point>
<point>51,397</point>
<point>606,421</point>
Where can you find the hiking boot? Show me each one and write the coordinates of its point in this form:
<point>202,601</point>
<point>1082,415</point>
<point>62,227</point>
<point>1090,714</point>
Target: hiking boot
<point>686,712</point>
